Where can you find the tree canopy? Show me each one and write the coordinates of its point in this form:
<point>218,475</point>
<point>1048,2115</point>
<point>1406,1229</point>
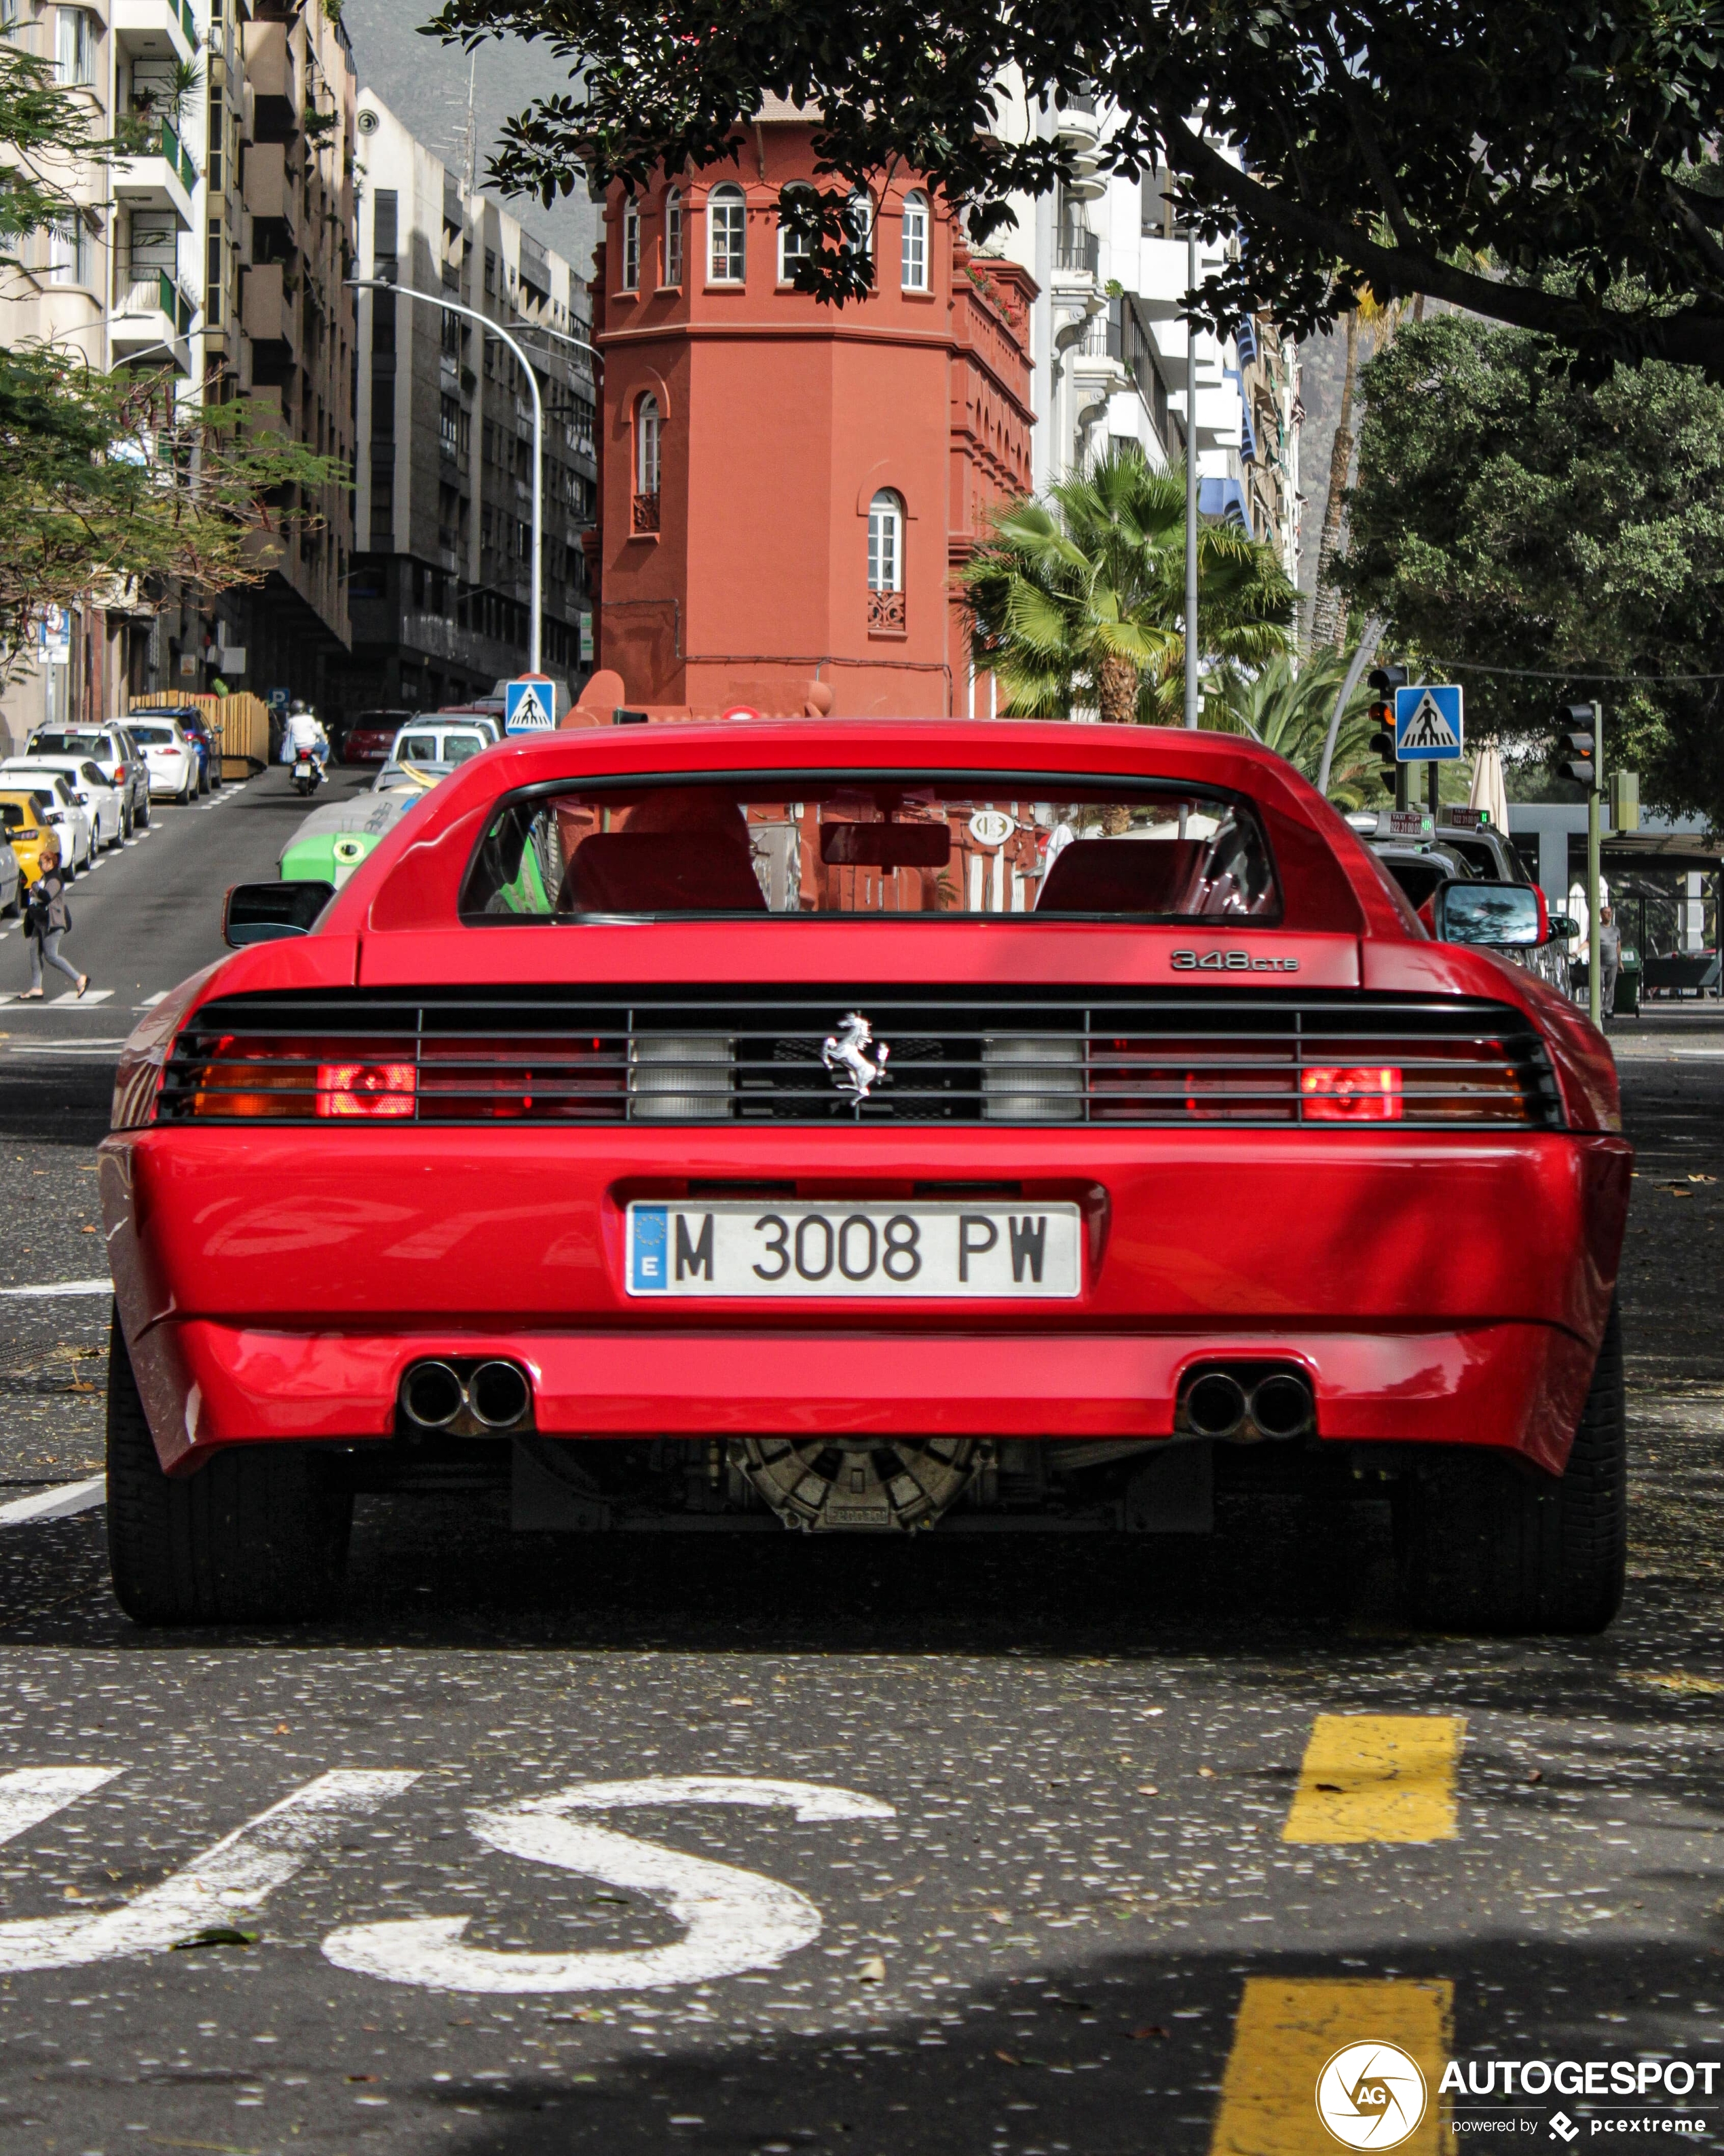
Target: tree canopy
<point>1507,516</point>
<point>1078,599</point>
<point>1385,142</point>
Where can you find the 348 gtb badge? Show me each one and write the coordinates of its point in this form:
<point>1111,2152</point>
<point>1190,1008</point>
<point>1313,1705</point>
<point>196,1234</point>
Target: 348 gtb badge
<point>866,1128</point>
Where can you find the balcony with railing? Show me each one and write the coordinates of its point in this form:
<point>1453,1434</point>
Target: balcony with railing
<point>1077,255</point>
<point>159,176</point>
<point>645,516</point>
<point>151,317</point>
<point>156,30</point>
<point>885,613</point>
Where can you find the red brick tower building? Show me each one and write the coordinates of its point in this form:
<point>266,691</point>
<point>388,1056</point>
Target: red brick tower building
<point>786,487</point>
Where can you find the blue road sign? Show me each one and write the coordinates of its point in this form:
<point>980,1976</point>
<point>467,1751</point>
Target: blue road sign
<point>1428,725</point>
<point>527,705</point>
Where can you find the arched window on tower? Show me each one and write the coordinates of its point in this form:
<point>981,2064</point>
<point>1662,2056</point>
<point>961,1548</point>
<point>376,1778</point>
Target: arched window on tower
<point>794,247</point>
<point>885,564</point>
<point>673,237</point>
<point>646,464</point>
<point>859,216</point>
<point>915,242</point>
<point>726,236</point>
<point>631,247</point>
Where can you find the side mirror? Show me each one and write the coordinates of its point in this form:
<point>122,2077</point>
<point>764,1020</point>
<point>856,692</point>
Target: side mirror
<point>264,912</point>
<point>1504,914</point>
<point>1564,927</point>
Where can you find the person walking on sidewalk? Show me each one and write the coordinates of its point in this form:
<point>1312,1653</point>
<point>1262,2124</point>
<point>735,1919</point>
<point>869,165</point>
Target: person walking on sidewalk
<point>47,918</point>
<point>1609,963</point>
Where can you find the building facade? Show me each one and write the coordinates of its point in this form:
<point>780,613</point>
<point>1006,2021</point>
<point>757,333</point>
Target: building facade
<point>213,257</point>
<point>786,487</point>
<point>1110,340</point>
<point>444,497</point>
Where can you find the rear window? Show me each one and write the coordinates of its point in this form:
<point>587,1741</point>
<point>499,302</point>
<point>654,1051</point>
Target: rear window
<point>416,748</point>
<point>457,748</point>
<point>152,736</point>
<point>59,744</point>
<point>949,849</point>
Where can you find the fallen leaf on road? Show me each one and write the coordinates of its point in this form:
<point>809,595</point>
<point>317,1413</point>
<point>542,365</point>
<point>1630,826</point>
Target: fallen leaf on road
<point>215,1935</point>
<point>1207,1772</point>
<point>359,2077</point>
<point>1149,2029</point>
<point>1702,1178</point>
<point>1674,1680</point>
<point>872,1971</point>
<point>1147,1789</point>
<point>1537,1775</point>
<point>1006,2059</point>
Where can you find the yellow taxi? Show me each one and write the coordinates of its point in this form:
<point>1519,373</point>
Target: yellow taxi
<point>24,829</point>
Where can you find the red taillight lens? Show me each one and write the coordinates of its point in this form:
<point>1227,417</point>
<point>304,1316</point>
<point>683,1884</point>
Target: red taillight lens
<point>372,1090</point>
<point>1351,1093</point>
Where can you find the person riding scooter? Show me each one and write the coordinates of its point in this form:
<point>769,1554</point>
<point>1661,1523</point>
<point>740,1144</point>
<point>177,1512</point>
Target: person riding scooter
<point>304,730</point>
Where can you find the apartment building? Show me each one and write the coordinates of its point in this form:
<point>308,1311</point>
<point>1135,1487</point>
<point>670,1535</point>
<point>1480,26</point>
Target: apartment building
<point>440,588</point>
<point>214,255</point>
<point>1109,340</point>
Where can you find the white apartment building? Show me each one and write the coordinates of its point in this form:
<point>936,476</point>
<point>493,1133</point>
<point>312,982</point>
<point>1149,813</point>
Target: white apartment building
<point>1109,340</point>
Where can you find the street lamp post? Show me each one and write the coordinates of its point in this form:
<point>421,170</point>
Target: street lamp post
<point>1191,486</point>
<point>473,315</point>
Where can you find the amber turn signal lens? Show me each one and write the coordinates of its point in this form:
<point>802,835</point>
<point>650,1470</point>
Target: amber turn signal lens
<point>1364,1093</point>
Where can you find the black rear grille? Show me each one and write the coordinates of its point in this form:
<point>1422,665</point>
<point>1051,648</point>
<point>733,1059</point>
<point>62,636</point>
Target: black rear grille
<point>1146,1058</point>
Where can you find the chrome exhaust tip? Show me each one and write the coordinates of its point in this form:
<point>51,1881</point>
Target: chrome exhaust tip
<point>1281,1405</point>
<point>432,1395</point>
<point>498,1395</point>
<point>1215,1405</point>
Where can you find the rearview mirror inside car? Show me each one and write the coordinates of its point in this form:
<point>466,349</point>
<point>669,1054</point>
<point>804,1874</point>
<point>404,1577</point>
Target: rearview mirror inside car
<point>1502,914</point>
<point>262,913</point>
<point>886,846</point>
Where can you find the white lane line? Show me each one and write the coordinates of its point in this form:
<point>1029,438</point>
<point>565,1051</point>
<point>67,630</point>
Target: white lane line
<point>90,996</point>
<point>59,1503</point>
<point>62,1287</point>
<point>149,1003</point>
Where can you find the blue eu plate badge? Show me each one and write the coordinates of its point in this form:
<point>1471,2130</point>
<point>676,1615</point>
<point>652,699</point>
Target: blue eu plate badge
<point>648,1235</point>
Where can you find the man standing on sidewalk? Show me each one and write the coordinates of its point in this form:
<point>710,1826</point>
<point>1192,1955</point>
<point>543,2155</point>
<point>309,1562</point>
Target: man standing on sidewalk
<point>1609,958</point>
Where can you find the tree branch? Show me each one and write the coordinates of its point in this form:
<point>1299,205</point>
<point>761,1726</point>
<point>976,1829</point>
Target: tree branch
<point>1369,148</point>
<point>1694,336</point>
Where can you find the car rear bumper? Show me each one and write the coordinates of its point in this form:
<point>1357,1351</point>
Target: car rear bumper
<point>208,1384</point>
<point>1438,1288</point>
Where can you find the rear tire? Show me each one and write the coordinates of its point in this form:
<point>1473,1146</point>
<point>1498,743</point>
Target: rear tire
<point>1487,1544</point>
<point>142,819</point>
<point>257,1536</point>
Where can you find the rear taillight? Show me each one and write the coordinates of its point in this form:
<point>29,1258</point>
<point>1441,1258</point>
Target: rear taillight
<point>240,1078</point>
<point>374,1089</point>
<point>1351,1093</point>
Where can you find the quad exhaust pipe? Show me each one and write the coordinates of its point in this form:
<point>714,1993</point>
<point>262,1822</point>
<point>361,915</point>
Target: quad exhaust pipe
<point>491,1395</point>
<point>1249,1405</point>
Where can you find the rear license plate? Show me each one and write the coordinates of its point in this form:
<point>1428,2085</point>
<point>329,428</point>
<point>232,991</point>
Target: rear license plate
<point>904,1252</point>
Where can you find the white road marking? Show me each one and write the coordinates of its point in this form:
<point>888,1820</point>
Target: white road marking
<point>733,1920</point>
<point>149,1003</point>
<point>228,1881</point>
<point>59,1503</point>
<point>90,996</point>
<point>64,1287</point>
<point>31,1795</point>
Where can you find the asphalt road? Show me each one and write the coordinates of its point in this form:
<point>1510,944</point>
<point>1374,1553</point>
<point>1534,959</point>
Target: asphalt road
<point>773,1846</point>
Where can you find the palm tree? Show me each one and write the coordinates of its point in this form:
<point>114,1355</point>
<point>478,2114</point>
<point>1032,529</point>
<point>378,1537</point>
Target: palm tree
<point>1078,599</point>
<point>1328,622</point>
<point>1290,711</point>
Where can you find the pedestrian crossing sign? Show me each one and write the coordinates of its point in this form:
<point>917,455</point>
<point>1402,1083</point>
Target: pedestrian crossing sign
<point>527,705</point>
<point>1427,725</point>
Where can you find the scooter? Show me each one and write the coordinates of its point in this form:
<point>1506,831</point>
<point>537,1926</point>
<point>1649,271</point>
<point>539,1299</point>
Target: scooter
<point>307,772</point>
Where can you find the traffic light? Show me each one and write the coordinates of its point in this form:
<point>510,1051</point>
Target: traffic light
<point>1578,751</point>
<point>1381,711</point>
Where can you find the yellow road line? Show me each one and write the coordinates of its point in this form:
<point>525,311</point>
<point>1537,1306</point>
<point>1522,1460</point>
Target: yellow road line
<point>1377,1778</point>
<point>1287,2030</point>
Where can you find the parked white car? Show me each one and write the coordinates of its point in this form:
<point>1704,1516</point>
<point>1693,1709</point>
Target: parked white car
<point>57,808</point>
<point>171,758</point>
<point>434,740</point>
<point>112,749</point>
<point>101,799</point>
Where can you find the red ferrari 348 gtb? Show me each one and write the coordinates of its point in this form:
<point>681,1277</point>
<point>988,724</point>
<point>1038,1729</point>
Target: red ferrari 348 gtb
<point>870,1125</point>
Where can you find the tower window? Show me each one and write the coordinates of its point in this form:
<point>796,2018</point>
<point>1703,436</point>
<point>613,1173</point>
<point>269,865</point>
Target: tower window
<point>885,564</point>
<point>915,242</point>
<point>647,427</point>
<point>794,247</point>
<point>631,247</point>
<point>673,237</point>
<point>726,236</point>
